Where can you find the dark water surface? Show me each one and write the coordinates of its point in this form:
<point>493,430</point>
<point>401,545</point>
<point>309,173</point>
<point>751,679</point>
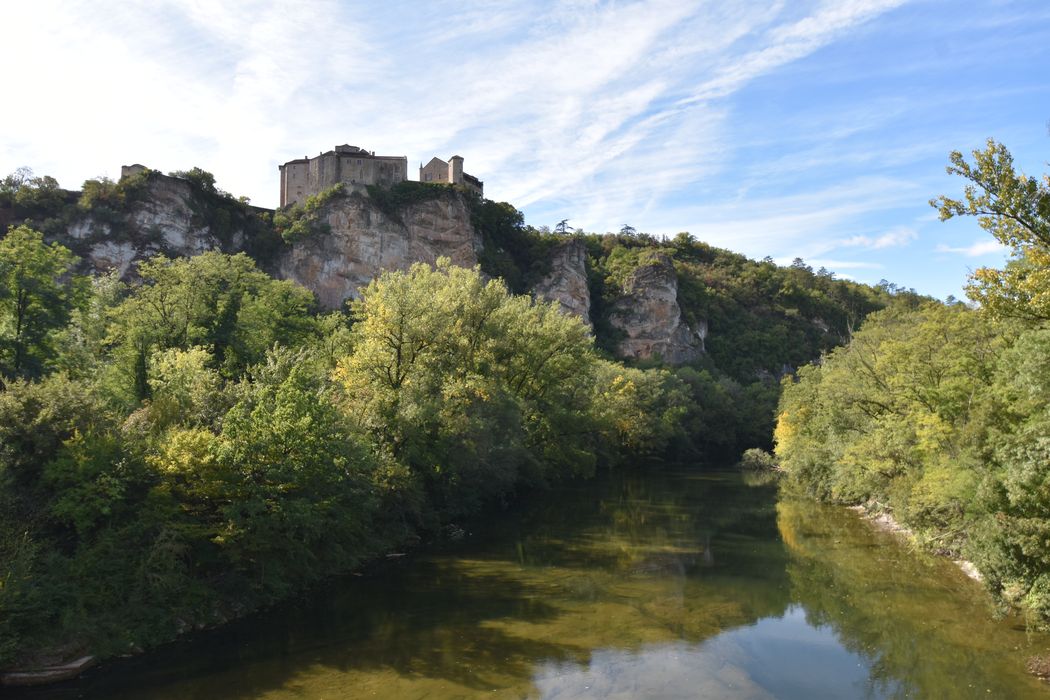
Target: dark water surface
<point>684,585</point>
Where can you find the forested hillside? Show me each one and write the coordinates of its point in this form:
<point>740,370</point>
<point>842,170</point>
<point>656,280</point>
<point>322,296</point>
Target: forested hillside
<point>762,320</point>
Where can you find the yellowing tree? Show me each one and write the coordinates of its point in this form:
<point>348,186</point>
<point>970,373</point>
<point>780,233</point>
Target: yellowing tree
<point>1015,208</point>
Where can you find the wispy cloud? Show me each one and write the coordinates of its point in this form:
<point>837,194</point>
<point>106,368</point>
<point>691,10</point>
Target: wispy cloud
<point>559,101</point>
<point>894,238</point>
<point>789,42</point>
<point>798,224</point>
<point>976,250</point>
<point>812,128</point>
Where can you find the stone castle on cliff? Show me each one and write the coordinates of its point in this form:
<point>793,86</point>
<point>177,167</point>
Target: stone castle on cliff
<point>364,240</point>
<point>306,176</point>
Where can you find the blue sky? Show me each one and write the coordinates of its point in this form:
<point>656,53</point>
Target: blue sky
<point>789,128</point>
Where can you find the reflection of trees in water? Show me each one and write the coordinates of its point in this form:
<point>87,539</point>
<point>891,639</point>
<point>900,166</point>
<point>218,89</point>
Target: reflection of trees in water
<point>612,564</point>
<point>927,630</point>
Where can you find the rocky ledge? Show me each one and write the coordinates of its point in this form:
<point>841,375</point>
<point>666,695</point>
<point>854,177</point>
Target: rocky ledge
<point>649,316</point>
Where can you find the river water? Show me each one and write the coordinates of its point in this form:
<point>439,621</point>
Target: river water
<point>647,585</point>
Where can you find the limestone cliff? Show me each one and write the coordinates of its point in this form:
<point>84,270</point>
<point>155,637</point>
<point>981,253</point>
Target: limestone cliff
<point>649,316</point>
<point>566,281</point>
<point>365,240</point>
<point>164,215</point>
<point>174,217</point>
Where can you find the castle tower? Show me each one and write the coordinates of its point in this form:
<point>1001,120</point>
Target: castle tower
<point>455,170</point>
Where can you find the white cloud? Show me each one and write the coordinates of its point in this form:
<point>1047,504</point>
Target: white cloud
<point>799,224</point>
<point>611,107</point>
<point>894,238</point>
<point>790,42</point>
<point>976,250</point>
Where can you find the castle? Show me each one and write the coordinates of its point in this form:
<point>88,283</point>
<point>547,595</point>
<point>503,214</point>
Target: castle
<point>305,176</point>
<point>451,172</point>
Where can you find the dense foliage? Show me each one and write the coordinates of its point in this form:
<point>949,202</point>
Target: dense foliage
<point>180,451</point>
<point>763,319</point>
<point>941,414</point>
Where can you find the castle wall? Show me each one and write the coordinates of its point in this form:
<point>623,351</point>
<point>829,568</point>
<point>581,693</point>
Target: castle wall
<point>451,173</point>
<point>435,171</point>
<point>349,164</point>
<point>304,177</point>
<point>129,170</point>
<point>294,182</point>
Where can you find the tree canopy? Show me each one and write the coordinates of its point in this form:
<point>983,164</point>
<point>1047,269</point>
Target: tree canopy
<point>1015,209</point>
<point>38,292</point>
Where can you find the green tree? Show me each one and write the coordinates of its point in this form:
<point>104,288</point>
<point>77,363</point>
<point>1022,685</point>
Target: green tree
<point>37,294</point>
<point>222,303</point>
<point>470,387</point>
<point>1015,209</point>
<point>81,348</point>
<point>901,417</point>
<point>199,177</point>
<point>1010,545</point>
<point>297,493</point>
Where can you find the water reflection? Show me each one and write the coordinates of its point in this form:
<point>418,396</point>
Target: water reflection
<point>685,585</point>
<point>782,657</point>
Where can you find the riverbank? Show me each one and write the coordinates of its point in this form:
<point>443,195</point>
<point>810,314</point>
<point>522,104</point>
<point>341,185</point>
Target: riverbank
<point>883,520</point>
<point>57,665</point>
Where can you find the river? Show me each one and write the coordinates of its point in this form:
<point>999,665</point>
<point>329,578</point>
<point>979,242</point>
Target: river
<point>688,584</point>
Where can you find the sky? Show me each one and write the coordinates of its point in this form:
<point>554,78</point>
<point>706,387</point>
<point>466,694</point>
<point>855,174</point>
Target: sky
<point>817,129</point>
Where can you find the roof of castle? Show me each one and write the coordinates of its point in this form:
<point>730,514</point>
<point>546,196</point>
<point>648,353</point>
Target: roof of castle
<point>343,150</point>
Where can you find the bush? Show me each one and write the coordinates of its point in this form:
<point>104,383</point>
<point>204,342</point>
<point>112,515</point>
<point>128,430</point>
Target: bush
<point>302,220</point>
<point>756,459</point>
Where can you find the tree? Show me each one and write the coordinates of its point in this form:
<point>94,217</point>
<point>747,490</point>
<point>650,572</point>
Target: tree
<point>897,415</point>
<point>200,177</point>
<point>12,183</point>
<point>37,294</point>
<point>465,384</point>
<point>1015,209</point>
<point>563,227</point>
<point>297,495</point>
<point>220,302</point>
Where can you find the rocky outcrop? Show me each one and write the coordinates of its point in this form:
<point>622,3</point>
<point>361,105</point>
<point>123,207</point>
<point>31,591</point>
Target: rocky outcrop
<point>165,217</point>
<point>566,282</point>
<point>649,316</point>
<point>173,217</point>
<point>364,241</point>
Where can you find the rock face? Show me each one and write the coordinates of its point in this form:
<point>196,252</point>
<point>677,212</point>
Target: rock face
<point>566,283</point>
<point>649,315</point>
<point>365,241</point>
<point>170,217</point>
<point>162,220</point>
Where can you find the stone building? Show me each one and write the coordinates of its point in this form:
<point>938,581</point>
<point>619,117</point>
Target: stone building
<point>451,172</point>
<point>129,170</point>
<point>305,176</point>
